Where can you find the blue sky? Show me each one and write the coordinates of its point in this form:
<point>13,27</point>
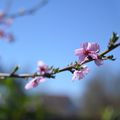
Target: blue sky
<point>54,32</point>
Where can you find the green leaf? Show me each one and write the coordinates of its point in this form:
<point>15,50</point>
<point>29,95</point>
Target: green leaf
<point>15,69</point>
<point>113,40</point>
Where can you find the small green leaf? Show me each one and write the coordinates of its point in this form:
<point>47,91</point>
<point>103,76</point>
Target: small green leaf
<point>56,70</point>
<point>113,40</point>
<point>15,69</point>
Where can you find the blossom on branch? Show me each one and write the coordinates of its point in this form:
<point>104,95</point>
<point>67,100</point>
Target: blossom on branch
<point>42,70</point>
<point>6,35</point>
<point>90,51</point>
<point>79,74</point>
<point>8,21</point>
<point>42,67</point>
<point>2,34</point>
<point>4,25</point>
<point>10,37</point>
<point>87,53</point>
<point>1,14</point>
<point>34,82</point>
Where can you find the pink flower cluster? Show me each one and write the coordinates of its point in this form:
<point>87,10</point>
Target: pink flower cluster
<point>41,69</point>
<point>86,51</point>
<point>4,25</point>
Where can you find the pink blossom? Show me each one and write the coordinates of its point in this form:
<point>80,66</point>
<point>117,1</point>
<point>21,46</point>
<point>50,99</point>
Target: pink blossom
<point>9,37</point>
<point>8,21</point>
<point>2,33</point>
<point>88,50</point>
<point>34,82</point>
<point>1,14</point>
<point>42,67</point>
<point>79,74</point>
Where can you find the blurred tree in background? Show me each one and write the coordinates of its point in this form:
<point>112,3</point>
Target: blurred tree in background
<point>15,104</point>
<point>102,97</point>
<point>99,102</point>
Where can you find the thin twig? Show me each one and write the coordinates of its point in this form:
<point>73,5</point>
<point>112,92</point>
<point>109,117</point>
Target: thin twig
<point>29,11</point>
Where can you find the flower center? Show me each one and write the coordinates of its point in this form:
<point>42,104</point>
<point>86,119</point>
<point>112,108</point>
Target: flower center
<point>86,52</point>
<point>42,69</point>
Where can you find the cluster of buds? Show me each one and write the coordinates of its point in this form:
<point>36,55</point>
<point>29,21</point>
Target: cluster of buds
<point>5,23</point>
<point>87,51</point>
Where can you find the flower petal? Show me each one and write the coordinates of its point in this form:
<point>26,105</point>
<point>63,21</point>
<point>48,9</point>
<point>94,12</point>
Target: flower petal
<point>34,82</point>
<point>85,69</point>
<point>79,74</point>
<point>42,67</point>
<point>41,63</point>
<point>94,55</point>
<point>93,47</point>
<point>98,62</point>
<point>84,45</point>
<point>82,58</point>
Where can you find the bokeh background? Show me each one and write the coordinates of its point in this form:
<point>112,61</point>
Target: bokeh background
<point>52,34</point>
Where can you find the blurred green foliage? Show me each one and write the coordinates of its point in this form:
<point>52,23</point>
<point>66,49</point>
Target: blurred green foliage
<point>15,105</point>
<point>101,101</point>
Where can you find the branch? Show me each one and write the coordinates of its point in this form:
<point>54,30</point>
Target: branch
<point>56,71</point>
<point>29,11</point>
<point>88,60</point>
